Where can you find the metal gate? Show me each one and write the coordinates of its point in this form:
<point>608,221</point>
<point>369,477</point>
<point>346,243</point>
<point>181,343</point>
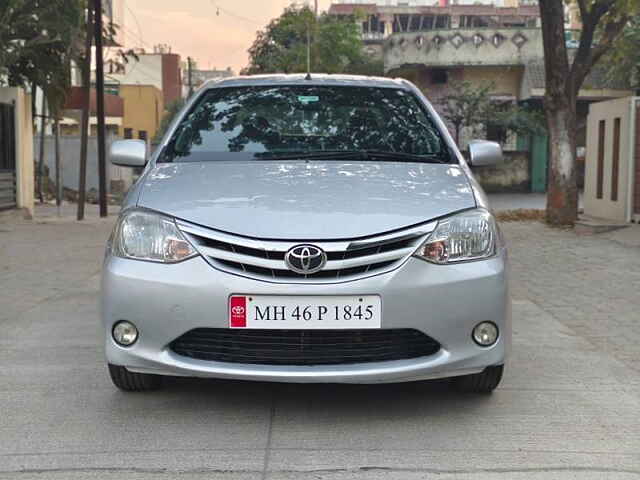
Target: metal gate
<point>7,157</point>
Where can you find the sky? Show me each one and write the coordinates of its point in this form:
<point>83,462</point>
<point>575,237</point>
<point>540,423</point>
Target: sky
<point>194,27</point>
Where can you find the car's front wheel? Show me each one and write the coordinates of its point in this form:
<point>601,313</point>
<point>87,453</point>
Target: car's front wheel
<point>133,382</point>
<point>483,382</point>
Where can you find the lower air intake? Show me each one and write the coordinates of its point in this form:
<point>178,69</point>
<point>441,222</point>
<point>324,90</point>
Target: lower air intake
<point>303,347</point>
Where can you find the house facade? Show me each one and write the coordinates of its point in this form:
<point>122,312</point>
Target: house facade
<point>496,43</point>
<point>16,150</point>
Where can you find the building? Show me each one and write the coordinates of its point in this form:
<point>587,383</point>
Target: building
<point>131,111</point>
<point>387,17</point>
<point>16,150</point>
<point>138,87</point>
<point>431,3</point>
<point>160,69</point>
<point>145,83</point>
<point>114,12</point>
<point>198,77</point>
<point>143,111</point>
<point>439,46</point>
<point>72,113</point>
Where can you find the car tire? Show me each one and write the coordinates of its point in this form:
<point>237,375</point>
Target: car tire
<point>133,382</point>
<point>483,382</point>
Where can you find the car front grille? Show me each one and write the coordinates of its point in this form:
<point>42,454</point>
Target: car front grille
<point>265,259</point>
<point>304,347</point>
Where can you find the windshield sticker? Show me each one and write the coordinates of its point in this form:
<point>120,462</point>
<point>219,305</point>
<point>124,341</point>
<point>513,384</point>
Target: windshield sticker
<point>308,98</point>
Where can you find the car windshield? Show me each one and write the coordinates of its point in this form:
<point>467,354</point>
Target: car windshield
<point>284,121</point>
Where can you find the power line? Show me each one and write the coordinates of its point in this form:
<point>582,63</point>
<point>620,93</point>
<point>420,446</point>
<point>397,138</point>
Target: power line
<point>135,19</point>
<point>235,15</point>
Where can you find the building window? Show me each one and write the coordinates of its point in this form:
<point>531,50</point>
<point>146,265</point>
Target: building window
<point>128,133</point>
<point>142,135</point>
<point>443,21</point>
<point>439,76</point>
<point>112,89</point>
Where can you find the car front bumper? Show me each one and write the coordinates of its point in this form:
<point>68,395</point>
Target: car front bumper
<point>444,302</point>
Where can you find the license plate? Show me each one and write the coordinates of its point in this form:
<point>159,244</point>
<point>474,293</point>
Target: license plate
<point>305,312</point>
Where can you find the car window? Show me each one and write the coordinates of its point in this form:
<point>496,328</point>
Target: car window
<point>254,121</point>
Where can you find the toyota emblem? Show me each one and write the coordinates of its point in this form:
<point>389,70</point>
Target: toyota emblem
<point>305,259</point>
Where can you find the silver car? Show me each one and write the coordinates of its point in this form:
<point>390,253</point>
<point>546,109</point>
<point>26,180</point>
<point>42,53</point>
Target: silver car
<point>295,228</point>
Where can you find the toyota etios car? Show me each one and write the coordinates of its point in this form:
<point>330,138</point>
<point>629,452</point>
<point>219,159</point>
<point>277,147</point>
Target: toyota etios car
<point>306,229</point>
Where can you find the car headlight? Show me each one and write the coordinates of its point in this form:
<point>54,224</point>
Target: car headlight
<point>144,235</point>
<point>470,235</point>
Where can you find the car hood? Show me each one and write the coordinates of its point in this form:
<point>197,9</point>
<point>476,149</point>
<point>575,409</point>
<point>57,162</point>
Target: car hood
<point>306,200</point>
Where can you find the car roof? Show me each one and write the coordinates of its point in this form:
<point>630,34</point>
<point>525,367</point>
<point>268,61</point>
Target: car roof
<point>301,79</point>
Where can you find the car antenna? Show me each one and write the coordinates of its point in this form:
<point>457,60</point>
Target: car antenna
<point>308,77</point>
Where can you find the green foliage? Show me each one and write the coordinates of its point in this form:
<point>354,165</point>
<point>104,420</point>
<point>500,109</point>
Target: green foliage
<point>466,106</point>
<point>469,106</point>
<point>336,46</point>
<point>171,112</point>
<point>622,61</point>
<point>38,40</point>
<point>519,120</point>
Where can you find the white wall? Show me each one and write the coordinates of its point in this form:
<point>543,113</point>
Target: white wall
<point>70,156</point>
<point>146,71</point>
<point>605,207</point>
<point>24,145</point>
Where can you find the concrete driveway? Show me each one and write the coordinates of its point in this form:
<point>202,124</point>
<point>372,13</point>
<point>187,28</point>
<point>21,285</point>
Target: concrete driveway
<point>568,408</point>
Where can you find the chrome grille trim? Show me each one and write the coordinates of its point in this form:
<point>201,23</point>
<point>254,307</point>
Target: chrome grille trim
<point>264,259</point>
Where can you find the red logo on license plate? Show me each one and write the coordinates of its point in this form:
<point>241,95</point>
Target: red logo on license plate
<point>238,312</point>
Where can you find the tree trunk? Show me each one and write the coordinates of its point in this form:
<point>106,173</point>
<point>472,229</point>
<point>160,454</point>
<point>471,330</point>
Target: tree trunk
<point>562,195</point>
<point>560,108</point>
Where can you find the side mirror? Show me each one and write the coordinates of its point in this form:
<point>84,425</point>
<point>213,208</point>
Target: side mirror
<point>483,153</point>
<point>128,153</point>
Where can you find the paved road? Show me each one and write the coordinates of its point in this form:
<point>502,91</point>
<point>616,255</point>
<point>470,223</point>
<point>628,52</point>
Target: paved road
<point>569,407</point>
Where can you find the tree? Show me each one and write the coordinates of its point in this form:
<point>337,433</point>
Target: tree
<point>38,41</point>
<point>465,106</point>
<point>622,62</point>
<point>469,106</point>
<point>521,120</point>
<point>336,45</point>
<point>172,110</point>
<point>602,23</point>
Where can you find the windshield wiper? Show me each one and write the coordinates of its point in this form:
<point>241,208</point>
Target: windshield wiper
<point>354,155</point>
<point>430,158</point>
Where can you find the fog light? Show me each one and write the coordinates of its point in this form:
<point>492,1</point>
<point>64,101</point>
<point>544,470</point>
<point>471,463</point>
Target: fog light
<point>125,333</point>
<point>485,334</point>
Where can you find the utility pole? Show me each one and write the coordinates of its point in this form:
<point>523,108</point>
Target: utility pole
<point>315,8</point>
<point>102,162</point>
<point>43,125</point>
<point>59,180</point>
<point>190,76</point>
<point>86,103</point>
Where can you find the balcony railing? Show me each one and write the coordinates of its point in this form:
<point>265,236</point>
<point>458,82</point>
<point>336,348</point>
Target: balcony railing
<point>373,36</point>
